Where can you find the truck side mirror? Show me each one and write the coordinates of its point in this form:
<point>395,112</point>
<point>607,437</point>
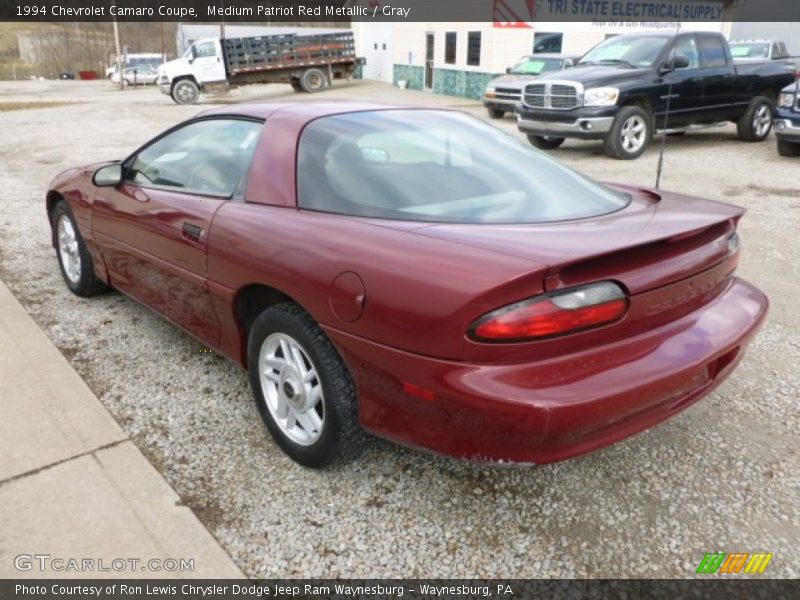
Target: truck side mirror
<point>679,61</point>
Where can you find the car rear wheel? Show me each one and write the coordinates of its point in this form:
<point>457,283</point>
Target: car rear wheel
<point>74,259</point>
<point>756,122</point>
<point>788,148</point>
<point>545,142</point>
<point>185,92</point>
<point>302,388</point>
<point>312,80</point>
<point>631,133</point>
<point>496,113</point>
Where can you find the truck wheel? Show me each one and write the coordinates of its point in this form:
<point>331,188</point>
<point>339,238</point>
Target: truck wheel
<point>496,113</point>
<point>630,134</point>
<point>185,92</point>
<point>544,142</point>
<point>756,122</point>
<point>788,148</point>
<point>312,80</point>
<point>302,388</point>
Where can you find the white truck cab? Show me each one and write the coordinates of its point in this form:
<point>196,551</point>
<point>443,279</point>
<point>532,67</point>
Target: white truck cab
<point>203,63</point>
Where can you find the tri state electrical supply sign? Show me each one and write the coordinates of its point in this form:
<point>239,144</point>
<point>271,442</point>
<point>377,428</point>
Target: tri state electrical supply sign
<point>521,13</point>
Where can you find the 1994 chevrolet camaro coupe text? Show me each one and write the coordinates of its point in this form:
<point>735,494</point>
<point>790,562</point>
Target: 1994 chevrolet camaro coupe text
<point>417,274</point>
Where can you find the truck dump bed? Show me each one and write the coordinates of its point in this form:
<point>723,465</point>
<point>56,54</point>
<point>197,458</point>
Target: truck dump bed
<point>276,52</point>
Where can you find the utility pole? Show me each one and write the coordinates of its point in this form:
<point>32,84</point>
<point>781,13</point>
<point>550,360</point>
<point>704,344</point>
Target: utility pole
<point>119,52</point>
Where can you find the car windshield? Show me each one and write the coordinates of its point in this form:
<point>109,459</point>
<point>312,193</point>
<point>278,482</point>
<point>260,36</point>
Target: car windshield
<point>750,50</point>
<point>438,166</point>
<point>533,65</point>
<point>630,50</point>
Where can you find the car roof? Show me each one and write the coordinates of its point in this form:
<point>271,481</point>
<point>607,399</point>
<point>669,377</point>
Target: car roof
<point>303,110</point>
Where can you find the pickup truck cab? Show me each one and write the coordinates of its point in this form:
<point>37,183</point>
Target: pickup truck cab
<point>629,86</point>
<point>787,121</point>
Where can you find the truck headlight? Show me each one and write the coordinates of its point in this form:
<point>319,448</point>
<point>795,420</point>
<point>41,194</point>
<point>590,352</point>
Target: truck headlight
<point>786,100</point>
<point>602,96</point>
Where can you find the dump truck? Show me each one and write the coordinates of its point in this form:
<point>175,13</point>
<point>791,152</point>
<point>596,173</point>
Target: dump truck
<point>308,62</point>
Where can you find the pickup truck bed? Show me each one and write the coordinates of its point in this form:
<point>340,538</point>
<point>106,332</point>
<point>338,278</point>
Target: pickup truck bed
<point>269,53</point>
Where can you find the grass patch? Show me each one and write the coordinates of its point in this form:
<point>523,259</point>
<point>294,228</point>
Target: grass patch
<point>7,106</point>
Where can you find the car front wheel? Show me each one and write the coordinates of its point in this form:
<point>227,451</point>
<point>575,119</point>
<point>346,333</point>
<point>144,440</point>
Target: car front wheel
<point>545,142</point>
<point>74,259</point>
<point>788,148</point>
<point>631,133</point>
<point>302,388</point>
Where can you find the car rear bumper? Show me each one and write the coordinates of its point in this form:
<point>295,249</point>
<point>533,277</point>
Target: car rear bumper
<point>540,412</point>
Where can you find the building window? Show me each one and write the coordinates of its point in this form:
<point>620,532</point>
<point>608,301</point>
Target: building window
<point>450,47</point>
<point>548,42</point>
<point>474,48</point>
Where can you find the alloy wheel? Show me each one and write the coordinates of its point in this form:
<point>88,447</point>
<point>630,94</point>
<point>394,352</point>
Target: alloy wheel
<point>292,389</point>
<point>633,134</point>
<point>762,120</point>
<point>68,249</point>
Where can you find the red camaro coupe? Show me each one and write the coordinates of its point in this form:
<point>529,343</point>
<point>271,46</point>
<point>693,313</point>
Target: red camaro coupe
<point>417,274</point>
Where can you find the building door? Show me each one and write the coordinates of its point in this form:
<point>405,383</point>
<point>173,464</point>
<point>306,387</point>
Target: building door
<point>376,46</point>
<point>428,61</point>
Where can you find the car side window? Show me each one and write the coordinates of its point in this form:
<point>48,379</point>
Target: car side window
<point>712,52</point>
<point>687,47</point>
<point>208,157</point>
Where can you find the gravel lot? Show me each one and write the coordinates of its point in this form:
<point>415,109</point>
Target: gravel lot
<point>722,476</point>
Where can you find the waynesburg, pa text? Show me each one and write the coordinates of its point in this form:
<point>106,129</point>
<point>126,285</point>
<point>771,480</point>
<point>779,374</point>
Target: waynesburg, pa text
<point>272,590</point>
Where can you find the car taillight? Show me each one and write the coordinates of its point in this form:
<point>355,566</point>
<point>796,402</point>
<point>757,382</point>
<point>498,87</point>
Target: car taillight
<point>553,314</point>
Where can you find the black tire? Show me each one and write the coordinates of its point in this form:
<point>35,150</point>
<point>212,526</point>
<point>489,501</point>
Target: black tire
<point>617,144</point>
<point>788,148</point>
<point>496,113</point>
<point>545,142</point>
<point>86,283</point>
<point>753,125</point>
<point>312,80</point>
<point>341,437</point>
<point>296,86</point>
<point>185,91</point>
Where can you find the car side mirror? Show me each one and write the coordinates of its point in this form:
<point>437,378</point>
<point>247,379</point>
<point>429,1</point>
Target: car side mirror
<point>679,61</point>
<point>108,176</point>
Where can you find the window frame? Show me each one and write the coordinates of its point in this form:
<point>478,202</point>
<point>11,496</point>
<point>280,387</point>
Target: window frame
<point>701,39</point>
<point>238,193</point>
<point>448,36</point>
<point>550,33</point>
<point>674,52</point>
<point>470,37</point>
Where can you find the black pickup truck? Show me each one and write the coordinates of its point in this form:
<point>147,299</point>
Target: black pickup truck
<point>630,86</point>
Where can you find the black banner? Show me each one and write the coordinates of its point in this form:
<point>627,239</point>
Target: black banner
<point>328,11</point>
<point>712,588</point>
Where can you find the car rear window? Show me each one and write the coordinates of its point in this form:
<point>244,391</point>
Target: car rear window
<point>438,166</point>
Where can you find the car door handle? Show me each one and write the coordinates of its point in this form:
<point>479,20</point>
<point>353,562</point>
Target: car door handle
<point>192,231</point>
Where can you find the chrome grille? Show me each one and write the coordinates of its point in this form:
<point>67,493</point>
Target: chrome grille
<point>535,94</point>
<point>508,94</point>
<point>558,96</point>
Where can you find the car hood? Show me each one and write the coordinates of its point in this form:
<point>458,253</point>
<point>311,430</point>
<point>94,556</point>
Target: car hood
<point>513,81</point>
<point>594,75</point>
<point>650,217</point>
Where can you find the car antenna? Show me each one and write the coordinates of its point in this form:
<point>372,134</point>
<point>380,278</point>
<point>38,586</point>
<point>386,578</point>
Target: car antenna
<point>666,116</point>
